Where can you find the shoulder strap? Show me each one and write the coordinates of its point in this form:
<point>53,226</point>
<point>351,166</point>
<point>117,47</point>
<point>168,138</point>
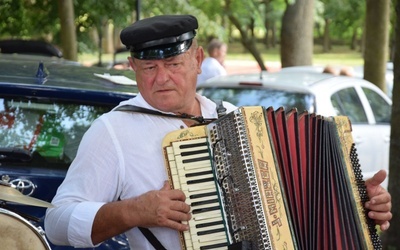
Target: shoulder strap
<point>221,110</point>
<point>133,108</point>
<point>151,238</point>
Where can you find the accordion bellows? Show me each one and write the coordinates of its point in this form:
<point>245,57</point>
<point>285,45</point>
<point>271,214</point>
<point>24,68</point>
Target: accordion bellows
<point>260,178</point>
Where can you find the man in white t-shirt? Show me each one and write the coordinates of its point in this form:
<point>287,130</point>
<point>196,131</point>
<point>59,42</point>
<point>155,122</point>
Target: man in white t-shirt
<point>214,64</point>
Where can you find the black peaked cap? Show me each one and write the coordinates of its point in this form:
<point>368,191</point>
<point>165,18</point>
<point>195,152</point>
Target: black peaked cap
<point>160,36</point>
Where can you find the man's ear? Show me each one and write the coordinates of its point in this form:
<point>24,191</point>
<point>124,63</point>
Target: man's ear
<point>199,58</point>
<point>132,63</point>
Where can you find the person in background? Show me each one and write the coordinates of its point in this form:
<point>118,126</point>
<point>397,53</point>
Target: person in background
<point>330,70</point>
<point>214,64</point>
<point>346,71</point>
<point>117,182</point>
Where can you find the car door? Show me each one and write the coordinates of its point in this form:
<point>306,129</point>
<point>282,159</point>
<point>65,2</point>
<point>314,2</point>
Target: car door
<point>369,114</point>
<point>380,110</point>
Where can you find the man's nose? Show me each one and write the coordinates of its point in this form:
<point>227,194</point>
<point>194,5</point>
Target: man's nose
<point>162,75</point>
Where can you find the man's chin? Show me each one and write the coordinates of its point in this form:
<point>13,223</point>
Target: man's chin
<point>167,106</point>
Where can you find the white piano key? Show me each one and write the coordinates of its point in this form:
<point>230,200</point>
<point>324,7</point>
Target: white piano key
<point>206,241</point>
<point>201,186</point>
<point>207,220</point>
<point>211,237</point>
<point>207,215</point>
<point>190,142</point>
<point>205,229</point>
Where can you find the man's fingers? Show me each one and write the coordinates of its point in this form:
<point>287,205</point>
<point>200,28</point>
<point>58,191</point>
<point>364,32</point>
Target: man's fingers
<point>166,186</point>
<point>380,218</point>
<point>383,198</point>
<point>377,179</point>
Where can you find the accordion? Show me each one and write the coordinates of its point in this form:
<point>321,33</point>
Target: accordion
<point>260,178</point>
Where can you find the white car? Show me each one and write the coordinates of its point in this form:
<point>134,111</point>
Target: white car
<point>357,71</point>
<point>368,108</point>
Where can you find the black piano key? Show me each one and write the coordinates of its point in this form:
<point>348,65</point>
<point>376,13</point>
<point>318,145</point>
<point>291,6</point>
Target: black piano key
<point>204,210</point>
<point>209,224</point>
<point>199,203</point>
<point>196,196</point>
<point>210,179</point>
<point>195,152</point>
<point>211,231</point>
<point>213,246</point>
<point>199,173</point>
<point>204,158</point>
<point>193,145</point>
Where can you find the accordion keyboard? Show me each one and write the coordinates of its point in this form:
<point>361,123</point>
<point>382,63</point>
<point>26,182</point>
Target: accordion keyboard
<point>191,172</point>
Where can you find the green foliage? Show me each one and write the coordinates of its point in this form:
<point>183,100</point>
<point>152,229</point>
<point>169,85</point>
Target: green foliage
<point>39,18</point>
<point>21,18</point>
<point>345,16</point>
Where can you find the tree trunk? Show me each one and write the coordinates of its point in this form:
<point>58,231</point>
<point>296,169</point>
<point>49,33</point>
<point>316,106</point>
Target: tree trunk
<point>266,39</point>
<point>68,30</point>
<point>108,38</point>
<point>297,34</point>
<point>327,41</point>
<point>390,238</point>
<point>353,45</point>
<point>248,41</point>
<point>376,42</point>
<point>273,36</point>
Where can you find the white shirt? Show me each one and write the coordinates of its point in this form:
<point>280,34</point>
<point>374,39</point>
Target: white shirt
<point>120,156</point>
<point>210,67</point>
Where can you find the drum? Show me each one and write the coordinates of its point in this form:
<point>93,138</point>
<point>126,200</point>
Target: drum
<point>18,233</point>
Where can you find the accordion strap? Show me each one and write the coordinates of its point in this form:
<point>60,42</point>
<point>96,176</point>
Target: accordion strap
<point>151,238</point>
<point>133,108</point>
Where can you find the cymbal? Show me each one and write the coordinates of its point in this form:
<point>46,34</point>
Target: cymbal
<point>11,194</point>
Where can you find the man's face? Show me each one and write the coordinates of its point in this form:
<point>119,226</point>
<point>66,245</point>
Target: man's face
<point>169,84</point>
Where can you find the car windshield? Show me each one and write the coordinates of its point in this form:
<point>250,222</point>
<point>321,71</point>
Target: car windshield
<point>262,97</point>
<point>45,131</point>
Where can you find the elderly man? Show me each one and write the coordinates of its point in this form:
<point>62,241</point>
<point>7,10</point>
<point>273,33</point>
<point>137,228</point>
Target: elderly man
<point>117,183</point>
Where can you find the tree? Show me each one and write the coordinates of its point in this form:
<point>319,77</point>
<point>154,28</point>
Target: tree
<point>390,238</point>
<point>345,19</point>
<point>247,39</point>
<point>95,20</point>
<point>29,19</point>
<point>297,33</point>
<point>68,29</point>
<point>376,41</point>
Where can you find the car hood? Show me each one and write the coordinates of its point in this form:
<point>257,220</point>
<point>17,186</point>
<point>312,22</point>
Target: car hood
<point>56,73</point>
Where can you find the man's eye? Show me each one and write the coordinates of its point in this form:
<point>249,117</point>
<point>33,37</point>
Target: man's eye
<point>149,68</point>
<point>173,65</point>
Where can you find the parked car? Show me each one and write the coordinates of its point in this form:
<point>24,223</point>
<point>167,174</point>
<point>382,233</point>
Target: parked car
<point>389,77</point>
<point>29,47</point>
<point>357,71</point>
<point>45,108</point>
<point>367,107</point>
<point>28,50</point>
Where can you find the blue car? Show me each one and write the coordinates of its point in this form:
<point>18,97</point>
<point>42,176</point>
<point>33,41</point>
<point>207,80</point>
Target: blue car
<point>46,105</point>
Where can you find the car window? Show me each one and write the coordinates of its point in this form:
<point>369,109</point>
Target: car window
<point>381,109</point>
<point>347,102</point>
<point>262,97</point>
<point>51,131</point>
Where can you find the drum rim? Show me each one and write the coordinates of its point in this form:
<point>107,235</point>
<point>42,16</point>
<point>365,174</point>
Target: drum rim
<point>41,233</point>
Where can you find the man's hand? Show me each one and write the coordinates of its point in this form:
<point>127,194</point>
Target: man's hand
<point>380,201</point>
<point>163,208</point>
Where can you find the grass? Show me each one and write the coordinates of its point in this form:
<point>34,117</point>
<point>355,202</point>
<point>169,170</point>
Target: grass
<point>340,56</point>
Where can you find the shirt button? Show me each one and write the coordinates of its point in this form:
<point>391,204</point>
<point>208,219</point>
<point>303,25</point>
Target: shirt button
<point>182,127</point>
